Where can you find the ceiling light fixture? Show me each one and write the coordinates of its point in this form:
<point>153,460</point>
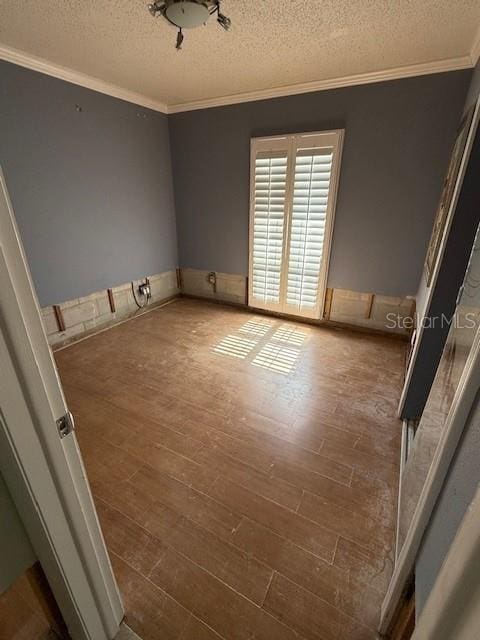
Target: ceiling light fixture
<point>188,14</point>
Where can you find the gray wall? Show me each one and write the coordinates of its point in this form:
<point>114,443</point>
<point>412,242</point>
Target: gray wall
<point>458,492</point>
<point>92,190</point>
<point>16,553</point>
<point>451,273</point>
<point>398,137</point>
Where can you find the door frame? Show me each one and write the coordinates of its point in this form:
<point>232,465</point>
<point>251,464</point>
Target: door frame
<point>452,608</point>
<point>454,425</point>
<point>43,470</point>
<point>289,142</point>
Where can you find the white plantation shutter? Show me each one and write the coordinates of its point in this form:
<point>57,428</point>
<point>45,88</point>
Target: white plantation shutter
<point>307,231</point>
<point>270,179</point>
<point>292,202</point>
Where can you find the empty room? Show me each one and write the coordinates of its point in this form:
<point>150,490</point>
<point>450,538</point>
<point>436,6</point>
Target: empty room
<point>240,320</point>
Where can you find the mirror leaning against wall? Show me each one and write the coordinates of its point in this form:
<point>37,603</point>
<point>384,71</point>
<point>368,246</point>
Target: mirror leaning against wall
<point>454,365</point>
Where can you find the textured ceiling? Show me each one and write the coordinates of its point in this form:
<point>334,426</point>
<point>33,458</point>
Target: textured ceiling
<point>272,43</point>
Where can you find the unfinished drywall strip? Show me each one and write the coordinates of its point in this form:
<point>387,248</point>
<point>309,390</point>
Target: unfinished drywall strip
<point>227,288</point>
<point>382,313</point>
<point>368,311</point>
<point>83,316</point>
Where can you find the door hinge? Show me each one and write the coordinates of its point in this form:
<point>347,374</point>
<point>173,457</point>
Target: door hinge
<point>65,424</point>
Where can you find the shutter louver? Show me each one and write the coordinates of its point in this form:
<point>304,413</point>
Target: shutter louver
<point>307,232</point>
<point>268,226</point>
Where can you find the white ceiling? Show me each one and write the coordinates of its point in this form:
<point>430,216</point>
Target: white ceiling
<point>272,45</point>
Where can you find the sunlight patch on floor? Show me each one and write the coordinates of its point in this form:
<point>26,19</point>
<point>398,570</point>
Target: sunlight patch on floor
<point>276,358</point>
<point>256,327</point>
<point>235,346</point>
<point>279,354</point>
<point>290,335</point>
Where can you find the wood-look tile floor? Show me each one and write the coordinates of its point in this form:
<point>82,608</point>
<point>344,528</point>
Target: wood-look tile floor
<point>244,470</point>
<point>21,615</point>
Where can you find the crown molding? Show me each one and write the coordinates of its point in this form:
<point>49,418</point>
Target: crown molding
<point>75,77</point>
<point>475,52</point>
<point>63,73</point>
<point>439,66</point>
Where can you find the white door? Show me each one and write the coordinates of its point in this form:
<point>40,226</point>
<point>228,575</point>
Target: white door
<point>293,185</point>
<point>41,462</point>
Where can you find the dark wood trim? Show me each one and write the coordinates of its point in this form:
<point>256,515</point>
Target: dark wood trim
<point>404,623</point>
<point>111,300</point>
<point>368,312</point>
<point>328,303</point>
<point>59,317</point>
<point>179,278</point>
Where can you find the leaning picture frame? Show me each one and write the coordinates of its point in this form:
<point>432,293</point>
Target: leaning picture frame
<point>447,194</point>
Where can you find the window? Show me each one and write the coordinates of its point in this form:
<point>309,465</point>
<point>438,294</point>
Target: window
<point>292,204</point>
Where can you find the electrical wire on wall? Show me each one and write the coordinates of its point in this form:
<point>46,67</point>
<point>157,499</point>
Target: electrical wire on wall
<point>140,306</point>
